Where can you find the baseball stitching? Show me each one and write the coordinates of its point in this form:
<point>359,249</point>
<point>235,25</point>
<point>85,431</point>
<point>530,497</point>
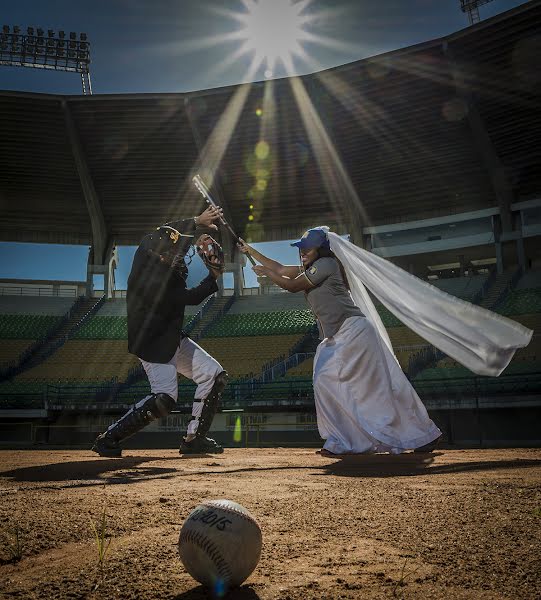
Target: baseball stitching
<point>197,538</point>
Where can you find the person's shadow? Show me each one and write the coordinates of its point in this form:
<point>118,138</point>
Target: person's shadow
<point>133,469</point>
<point>412,464</point>
<point>244,592</point>
<point>116,470</point>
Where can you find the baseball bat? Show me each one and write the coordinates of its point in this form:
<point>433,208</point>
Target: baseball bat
<point>204,191</point>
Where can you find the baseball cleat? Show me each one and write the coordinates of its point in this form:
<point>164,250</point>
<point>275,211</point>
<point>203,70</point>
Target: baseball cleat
<point>200,445</point>
<point>105,446</point>
<point>430,447</point>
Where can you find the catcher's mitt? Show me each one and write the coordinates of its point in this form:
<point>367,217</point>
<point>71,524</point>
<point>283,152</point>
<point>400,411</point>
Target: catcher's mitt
<point>211,253</point>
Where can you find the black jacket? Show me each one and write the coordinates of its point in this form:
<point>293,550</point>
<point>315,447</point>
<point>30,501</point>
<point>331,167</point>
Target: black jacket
<point>156,299</point>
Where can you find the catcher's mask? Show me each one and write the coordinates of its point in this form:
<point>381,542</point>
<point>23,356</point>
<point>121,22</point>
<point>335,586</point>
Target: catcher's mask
<point>168,241</point>
<point>170,244</point>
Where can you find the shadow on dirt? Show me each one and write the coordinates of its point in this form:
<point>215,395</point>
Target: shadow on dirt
<point>133,469</point>
<point>107,470</point>
<point>244,592</point>
<point>411,464</point>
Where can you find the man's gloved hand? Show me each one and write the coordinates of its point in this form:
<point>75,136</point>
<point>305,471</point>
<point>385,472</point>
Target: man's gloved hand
<point>211,253</point>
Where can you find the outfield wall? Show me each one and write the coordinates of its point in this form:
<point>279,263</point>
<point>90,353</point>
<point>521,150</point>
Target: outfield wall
<point>505,426</point>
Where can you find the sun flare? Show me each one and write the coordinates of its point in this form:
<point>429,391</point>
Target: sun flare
<point>273,31</point>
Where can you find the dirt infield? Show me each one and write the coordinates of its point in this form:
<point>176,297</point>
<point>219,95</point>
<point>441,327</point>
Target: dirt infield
<point>458,524</point>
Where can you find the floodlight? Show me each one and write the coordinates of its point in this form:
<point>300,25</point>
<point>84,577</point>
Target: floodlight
<point>472,8</point>
<point>31,50</point>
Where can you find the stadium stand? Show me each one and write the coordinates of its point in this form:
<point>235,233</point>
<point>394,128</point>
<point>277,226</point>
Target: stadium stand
<point>522,304</point>
<point>302,370</point>
<point>461,287</point>
<point>268,303</point>
<point>35,305</point>
<point>411,153</point>
<point>26,326</point>
<point>23,320</point>
<point>523,301</point>
<point>272,323</point>
<point>247,355</point>
<point>86,360</point>
<point>96,352</point>
<point>116,307</point>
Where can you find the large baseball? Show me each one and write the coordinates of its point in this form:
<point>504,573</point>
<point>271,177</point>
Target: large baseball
<point>220,544</point>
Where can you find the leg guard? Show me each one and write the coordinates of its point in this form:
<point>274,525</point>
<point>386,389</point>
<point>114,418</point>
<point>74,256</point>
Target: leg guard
<point>203,421</point>
<point>141,414</point>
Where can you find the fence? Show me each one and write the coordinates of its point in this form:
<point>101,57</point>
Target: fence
<point>278,369</point>
<point>38,291</point>
<point>285,395</point>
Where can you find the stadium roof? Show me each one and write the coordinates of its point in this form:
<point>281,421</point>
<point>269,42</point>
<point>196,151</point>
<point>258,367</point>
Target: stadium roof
<point>379,140</point>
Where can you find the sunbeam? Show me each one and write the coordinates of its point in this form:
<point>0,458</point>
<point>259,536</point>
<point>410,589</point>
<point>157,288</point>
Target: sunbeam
<point>335,177</point>
<point>212,152</point>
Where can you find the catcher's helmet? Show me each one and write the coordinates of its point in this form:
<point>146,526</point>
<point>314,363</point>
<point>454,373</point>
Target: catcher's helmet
<point>313,238</point>
<point>167,240</point>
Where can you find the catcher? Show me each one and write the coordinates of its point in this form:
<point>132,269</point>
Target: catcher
<point>156,299</point>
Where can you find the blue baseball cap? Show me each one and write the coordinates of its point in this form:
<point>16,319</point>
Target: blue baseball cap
<point>313,238</point>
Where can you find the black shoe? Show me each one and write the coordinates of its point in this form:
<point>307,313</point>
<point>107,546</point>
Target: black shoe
<point>430,447</point>
<point>106,446</point>
<point>200,445</point>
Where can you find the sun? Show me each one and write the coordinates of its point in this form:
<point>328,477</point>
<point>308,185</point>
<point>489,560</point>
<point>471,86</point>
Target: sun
<point>272,30</point>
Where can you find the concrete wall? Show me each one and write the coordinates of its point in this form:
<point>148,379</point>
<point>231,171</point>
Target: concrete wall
<point>490,427</point>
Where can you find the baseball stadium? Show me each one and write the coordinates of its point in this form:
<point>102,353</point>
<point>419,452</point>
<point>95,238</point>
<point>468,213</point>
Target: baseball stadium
<point>427,157</point>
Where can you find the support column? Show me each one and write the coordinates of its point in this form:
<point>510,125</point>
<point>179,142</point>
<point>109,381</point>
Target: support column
<point>109,275</point>
<point>97,263</point>
<point>497,230</point>
<point>238,273</point>
<point>521,255</point>
<point>107,270</point>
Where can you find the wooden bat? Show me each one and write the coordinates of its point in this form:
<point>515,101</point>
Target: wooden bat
<point>204,191</point>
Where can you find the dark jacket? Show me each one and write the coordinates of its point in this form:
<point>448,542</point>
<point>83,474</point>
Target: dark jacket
<point>156,299</point>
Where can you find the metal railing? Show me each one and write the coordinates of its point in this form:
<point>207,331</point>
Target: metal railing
<point>37,291</point>
<point>482,293</point>
<point>280,366</point>
<point>218,315</point>
<point>200,313</point>
<point>285,395</point>
<point>509,287</point>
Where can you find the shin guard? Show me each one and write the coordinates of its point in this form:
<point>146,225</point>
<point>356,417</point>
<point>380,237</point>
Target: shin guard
<point>204,410</point>
<point>141,414</point>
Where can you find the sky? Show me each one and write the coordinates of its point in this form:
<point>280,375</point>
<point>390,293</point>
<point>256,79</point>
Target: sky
<point>155,46</point>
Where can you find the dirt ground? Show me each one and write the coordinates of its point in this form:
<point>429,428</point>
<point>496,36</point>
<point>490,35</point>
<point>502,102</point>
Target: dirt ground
<point>456,524</point>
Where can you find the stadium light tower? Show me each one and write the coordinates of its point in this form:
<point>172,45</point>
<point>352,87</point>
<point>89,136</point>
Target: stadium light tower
<point>46,51</point>
<point>472,8</point>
